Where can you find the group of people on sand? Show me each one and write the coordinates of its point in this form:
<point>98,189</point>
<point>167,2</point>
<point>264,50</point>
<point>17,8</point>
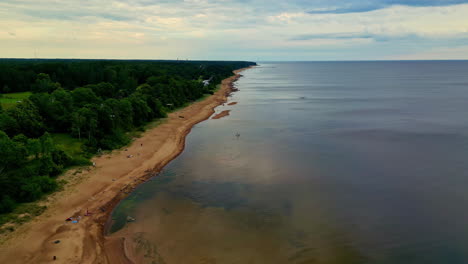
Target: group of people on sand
<point>131,156</point>
<point>74,220</point>
<point>77,219</point>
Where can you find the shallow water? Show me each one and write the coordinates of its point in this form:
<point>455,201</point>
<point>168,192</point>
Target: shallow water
<point>337,162</point>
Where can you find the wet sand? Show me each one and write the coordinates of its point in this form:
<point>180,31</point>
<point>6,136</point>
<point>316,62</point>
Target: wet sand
<point>169,230</point>
<point>222,114</point>
<point>100,189</point>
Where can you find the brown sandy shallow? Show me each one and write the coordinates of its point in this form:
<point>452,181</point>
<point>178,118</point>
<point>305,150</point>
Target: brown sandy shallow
<point>100,189</point>
<point>222,114</point>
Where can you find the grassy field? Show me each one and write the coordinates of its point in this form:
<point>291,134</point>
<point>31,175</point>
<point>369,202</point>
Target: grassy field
<point>72,146</point>
<point>9,100</point>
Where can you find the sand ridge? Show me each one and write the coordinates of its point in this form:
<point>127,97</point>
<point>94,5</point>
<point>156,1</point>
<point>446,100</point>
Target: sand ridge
<point>221,114</point>
<point>114,177</point>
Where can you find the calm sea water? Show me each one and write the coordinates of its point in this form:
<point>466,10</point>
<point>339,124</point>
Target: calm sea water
<point>337,162</point>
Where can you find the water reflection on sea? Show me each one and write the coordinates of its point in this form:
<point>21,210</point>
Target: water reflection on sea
<point>356,162</point>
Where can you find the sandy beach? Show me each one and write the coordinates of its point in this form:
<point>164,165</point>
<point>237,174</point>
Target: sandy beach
<point>100,189</point>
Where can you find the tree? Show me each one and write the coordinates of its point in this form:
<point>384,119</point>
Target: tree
<point>110,75</point>
<point>6,89</point>
<point>64,97</point>
<point>11,154</point>
<point>158,108</point>
<point>44,84</point>
<point>47,144</point>
<point>30,191</point>
<point>122,112</point>
<point>60,158</point>
<point>103,89</point>
<point>28,119</point>
<point>8,124</point>
<point>85,121</point>
<point>61,109</point>
<point>78,122</point>
<point>21,140</point>
<point>34,147</point>
<point>6,204</point>
<point>83,95</point>
<point>45,183</point>
<point>141,110</point>
<point>145,89</point>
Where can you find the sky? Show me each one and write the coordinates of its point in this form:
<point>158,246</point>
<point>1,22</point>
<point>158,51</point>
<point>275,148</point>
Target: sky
<point>256,30</point>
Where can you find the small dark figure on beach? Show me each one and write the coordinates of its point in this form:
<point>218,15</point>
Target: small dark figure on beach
<point>141,144</point>
<point>54,258</point>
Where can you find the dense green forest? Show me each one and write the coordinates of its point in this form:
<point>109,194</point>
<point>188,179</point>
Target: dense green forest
<point>96,102</point>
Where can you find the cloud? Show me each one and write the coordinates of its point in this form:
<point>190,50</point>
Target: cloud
<point>334,36</point>
<point>237,29</point>
<point>367,6</point>
<point>460,39</point>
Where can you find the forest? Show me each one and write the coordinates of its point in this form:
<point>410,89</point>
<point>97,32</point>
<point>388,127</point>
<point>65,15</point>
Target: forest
<point>93,102</point>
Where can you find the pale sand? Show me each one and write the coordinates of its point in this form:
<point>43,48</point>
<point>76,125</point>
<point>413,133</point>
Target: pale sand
<point>100,190</point>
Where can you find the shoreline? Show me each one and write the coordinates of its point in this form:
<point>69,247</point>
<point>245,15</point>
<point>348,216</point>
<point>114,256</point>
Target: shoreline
<point>102,188</point>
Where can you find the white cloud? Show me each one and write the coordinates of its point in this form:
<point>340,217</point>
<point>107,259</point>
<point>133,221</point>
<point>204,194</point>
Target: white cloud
<point>208,29</point>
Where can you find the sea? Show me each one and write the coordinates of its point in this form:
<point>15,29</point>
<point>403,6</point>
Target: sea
<point>318,162</point>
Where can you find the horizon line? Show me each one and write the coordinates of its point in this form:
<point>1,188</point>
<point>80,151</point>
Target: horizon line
<point>221,60</point>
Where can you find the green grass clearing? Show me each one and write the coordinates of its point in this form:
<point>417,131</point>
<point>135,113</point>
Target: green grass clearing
<point>72,146</point>
<point>9,100</point>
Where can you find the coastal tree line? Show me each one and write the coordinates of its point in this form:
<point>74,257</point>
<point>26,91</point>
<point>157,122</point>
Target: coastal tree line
<point>94,101</point>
